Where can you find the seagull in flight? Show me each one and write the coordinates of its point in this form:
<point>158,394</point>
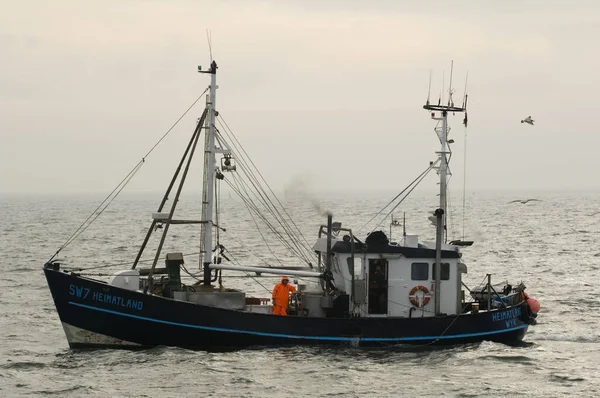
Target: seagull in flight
<point>523,201</point>
<point>528,119</point>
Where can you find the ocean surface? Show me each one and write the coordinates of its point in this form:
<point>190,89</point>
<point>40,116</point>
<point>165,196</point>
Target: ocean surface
<point>552,245</point>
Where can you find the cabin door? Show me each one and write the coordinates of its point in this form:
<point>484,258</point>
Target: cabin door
<point>378,286</point>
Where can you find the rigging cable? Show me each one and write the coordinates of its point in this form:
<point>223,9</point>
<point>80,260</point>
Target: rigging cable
<point>401,192</point>
<point>298,250</point>
<point>262,195</point>
<point>278,234</point>
<point>405,196</point>
<point>258,229</point>
<point>105,203</point>
<point>108,200</point>
<point>259,173</point>
<point>247,273</point>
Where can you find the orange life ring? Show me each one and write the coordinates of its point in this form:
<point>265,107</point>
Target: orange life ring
<point>413,298</point>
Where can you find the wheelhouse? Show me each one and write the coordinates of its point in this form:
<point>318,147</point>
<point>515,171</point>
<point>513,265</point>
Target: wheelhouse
<point>394,279</point>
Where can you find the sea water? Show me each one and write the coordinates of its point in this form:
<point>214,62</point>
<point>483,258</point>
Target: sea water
<point>552,246</point>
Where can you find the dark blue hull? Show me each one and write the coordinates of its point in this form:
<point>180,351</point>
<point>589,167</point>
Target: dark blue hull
<point>95,314</point>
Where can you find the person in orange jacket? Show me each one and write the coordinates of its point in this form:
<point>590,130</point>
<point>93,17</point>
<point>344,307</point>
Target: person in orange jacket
<point>281,295</point>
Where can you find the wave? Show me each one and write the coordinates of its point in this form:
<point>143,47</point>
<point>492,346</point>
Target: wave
<point>509,358</point>
<point>570,339</point>
<point>65,391</point>
<point>23,365</point>
<point>562,378</point>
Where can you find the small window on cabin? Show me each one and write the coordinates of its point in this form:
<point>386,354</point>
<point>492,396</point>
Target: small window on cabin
<point>419,271</point>
<point>445,272</point>
<point>356,267</point>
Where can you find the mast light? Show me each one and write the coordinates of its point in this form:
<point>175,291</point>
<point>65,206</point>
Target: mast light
<point>226,163</point>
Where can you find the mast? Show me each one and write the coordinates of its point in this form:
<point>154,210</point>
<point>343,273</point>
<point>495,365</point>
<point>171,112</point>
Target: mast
<point>209,177</point>
<point>444,161</point>
<point>440,213</point>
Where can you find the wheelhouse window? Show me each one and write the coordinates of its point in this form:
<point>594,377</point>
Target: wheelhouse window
<point>419,271</point>
<point>355,267</point>
<point>445,271</point>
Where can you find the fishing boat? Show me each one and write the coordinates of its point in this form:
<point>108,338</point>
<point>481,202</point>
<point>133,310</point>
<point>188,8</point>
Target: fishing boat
<point>366,290</point>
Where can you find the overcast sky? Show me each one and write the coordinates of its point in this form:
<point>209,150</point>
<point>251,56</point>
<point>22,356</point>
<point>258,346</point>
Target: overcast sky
<point>323,93</point>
